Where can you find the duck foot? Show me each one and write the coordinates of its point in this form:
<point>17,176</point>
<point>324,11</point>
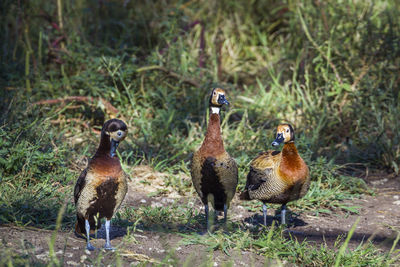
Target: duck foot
<point>90,247</point>
<point>109,247</point>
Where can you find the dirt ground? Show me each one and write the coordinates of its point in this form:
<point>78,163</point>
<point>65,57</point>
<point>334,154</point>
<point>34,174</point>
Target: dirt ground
<point>379,219</point>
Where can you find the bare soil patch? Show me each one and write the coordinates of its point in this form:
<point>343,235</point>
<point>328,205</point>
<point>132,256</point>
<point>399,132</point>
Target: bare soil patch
<point>379,222</point>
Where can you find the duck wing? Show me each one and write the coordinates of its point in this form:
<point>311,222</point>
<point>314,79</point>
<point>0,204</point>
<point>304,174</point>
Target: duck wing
<point>80,184</point>
<point>227,171</point>
<point>262,181</point>
<point>195,171</point>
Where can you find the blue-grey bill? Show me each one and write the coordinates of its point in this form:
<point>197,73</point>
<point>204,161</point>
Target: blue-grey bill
<point>114,146</point>
<point>279,140</point>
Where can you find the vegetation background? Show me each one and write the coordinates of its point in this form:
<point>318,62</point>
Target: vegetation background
<point>330,68</point>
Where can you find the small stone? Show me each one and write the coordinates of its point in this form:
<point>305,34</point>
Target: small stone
<point>43,256</point>
<point>379,182</point>
<point>73,263</point>
<point>143,201</point>
<point>83,258</point>
<point>396,197</point>
<point>317,229</point>
<point>156,205</point>
<point>397,202</point>
<point>68,254</point>
<point>140,236</point>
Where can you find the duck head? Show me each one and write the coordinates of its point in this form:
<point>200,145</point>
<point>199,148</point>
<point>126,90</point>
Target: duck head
<point>217,100</point>
<point>284,134</point>
<point>116,130</point>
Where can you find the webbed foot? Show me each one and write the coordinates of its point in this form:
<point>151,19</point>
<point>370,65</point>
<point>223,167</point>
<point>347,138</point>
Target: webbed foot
<point>108,246</point>
<point>90,247</point>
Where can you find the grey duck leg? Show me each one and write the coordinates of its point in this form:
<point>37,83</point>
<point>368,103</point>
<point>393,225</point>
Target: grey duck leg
<point>87,228</point>
<point>283,214</point>
<point>206,212</point>
<point>108,246</point>
<point>265,214</point>
<point>225,212</point>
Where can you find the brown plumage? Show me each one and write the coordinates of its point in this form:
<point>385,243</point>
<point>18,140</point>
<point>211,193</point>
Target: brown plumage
<point>102,186</point>
<point>214,172</point>
<point>278,177</point>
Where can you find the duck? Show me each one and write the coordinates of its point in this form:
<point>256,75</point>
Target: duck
<point>278,177</point>
<point>102,186</point>
<point>214,172</point>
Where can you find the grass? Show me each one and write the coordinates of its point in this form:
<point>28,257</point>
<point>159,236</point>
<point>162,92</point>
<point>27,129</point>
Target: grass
<point>329,69</point>
<point>272,244</point>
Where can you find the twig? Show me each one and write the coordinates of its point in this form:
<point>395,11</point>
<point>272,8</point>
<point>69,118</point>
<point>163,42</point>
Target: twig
<point>26,227</point>
<point>364,71</point>
<point>324,19</point>
<point>170,74</point>
<point>87,99</point>
<point>84,124</point>
<point>60,20</point>
<point>138,257</point>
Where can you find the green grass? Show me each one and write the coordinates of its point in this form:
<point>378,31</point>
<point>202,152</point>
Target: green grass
<point>328,68</point>
<point>273,244</point>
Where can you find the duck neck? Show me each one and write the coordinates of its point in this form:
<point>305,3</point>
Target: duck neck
<point>213,140</point>
<point>102,162</point>
<point>291,161</point>
<point>105,145</point>
<point>289,150</point>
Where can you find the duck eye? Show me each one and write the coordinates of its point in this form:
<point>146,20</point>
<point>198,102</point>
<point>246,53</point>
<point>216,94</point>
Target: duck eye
<point>287,130</point>
<point>119,133</point>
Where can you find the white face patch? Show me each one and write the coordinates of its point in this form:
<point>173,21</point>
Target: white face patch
<point>285,133</point>
<point>215,110</point>
<point>215,97</point>
<point>118,135</point>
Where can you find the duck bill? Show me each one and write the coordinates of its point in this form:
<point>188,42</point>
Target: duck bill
<point>114,146</point>
<point>222,100</point>
<point>279,140</point>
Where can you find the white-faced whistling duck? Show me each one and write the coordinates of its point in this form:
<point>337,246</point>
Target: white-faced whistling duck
<point>102,186</point>
<point>214,172</point>
<point>278,176</point>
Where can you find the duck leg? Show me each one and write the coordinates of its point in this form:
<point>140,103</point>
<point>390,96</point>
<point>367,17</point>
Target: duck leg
<point>283,214</point>
<point>108,246</point>
<point>225,212</point>
<point>87,228</point>
<point>211,219</point>
<point>206,212</point>
<point>265,214</point>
